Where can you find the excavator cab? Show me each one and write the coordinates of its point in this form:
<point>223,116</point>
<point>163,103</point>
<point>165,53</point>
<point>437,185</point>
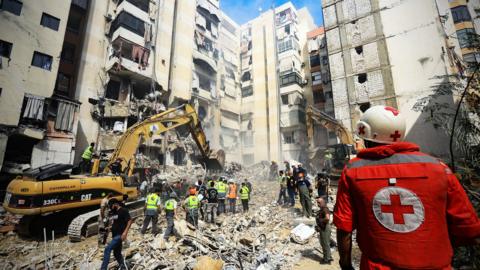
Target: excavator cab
<point>342,153</point>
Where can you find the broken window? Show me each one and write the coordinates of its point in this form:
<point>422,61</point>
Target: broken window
<point>5,48</point>
<point>50,21</point>
<point>62,85</point>
<point>249,45</point>
<point>461,14</point>
<point>364,106</point>
<point>205,82</point>
<point>247,91</point>
<point>68,52</point>
<point>285,99</point>
<point>178,156</point>
<point>314,60</point>
<point>288,137</point>
<point>466,37</point>
<point>318,97</point>
<point>359,49</point>
<point>362,77</point>
<point>12,6</point>
<point>113,90</point>
<point>42,60</point>
<point>246,76</point>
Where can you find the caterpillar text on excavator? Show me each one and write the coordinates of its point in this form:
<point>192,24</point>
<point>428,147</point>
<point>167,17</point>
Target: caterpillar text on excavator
<point>49,189</point>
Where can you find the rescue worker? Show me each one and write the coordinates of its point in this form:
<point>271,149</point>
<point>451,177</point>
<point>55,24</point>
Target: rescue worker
<point>87,158</point>
<point>120,227</point>
<point>304,189</point>
<point>282,195</point>
<point>322,219</point>
<point>202,195</point>
<point>103,219</point>
<point>191,205</point>
<point>250,188</point>
<point>152,209</point>
<point>322,183</point>
<point>171,214</point>
<point>212,203</point>
<point>291,186</point>
<point>222,192</point>
<point>232,196</point>
<point>407,207</point>
<point>327,160</point>
<point>244,196</point>
<point>116,167</point>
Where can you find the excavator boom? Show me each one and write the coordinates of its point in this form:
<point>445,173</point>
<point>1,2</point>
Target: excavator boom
<point>330,123</point>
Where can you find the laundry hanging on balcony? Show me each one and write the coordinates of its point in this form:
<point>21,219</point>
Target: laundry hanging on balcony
<point>140,55</point>
<point>34,107</point>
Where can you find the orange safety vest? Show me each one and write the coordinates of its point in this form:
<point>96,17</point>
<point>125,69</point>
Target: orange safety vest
<point>232,193</point>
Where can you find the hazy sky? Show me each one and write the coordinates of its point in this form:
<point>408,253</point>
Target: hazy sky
<point>242,11</point>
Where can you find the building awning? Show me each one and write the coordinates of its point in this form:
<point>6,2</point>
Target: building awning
<point>210,8</point>
<point>200,58</point>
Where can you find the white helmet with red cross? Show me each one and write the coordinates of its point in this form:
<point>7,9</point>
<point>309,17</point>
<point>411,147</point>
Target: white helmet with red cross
<point>382,124</point>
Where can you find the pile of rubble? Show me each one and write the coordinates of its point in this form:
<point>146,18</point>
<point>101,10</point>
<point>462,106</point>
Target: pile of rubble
<point>8,221</point>
<point>265,238</point>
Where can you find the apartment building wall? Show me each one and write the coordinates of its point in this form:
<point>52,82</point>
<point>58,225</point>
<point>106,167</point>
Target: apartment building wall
<point>386,62</point>
<point>36,126</point>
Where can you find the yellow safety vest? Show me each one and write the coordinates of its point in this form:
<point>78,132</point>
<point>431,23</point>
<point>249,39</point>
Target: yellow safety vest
<point>222,187</point>
<point>170,205</point>
<point>152,201</point>
<point>244,193</point>
<point>192,202</point>
<point>87,154</point>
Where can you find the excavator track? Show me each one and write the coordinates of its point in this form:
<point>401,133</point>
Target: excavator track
<point>86,225</point>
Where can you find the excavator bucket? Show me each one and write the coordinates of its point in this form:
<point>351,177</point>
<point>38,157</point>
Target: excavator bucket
<point>215,161</point>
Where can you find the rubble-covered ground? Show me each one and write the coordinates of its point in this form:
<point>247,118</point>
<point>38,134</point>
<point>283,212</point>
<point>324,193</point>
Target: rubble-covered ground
<point>260,239</point>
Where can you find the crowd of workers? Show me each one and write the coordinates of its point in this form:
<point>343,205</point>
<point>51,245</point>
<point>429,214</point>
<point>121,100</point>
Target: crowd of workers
<point>206,200</point>
<point>408,208</point>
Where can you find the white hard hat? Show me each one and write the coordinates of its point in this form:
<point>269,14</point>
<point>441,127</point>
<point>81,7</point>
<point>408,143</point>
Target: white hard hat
<point>381,124</point>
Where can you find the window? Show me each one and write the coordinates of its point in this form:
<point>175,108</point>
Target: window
<point>130,22</point>
<point>332,135</point>
<point>247,91</point>
<point>288,137</point>
<point>328,95</point>
<point>362,77</point>
<point>68,52</point>
<point>287,29</point>
<point>290,78</point>
<point>285,99</point>
<point>461,14</point>
<point>74,22</point>
<point>12,6</point>
<point>246,76</point>
<point>318,97</point>
<point>314,60</point>
<point>42,60</point>
<point>5,48</point>
<point>471,57</point>
<point>466,37</point>
<point>324,60</point>
<point>316,78</point>
<point>287,44</point>
<point>63,83</point>
<point>141,4</point>
<point>364,106</point>
<point>113,90</point>
<point>359,49</point>
<point>50,21</point>
<point>208,25</point>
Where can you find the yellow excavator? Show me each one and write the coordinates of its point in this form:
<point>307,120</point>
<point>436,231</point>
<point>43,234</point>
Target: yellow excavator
<point>342,152</point>
<point>46,189</point>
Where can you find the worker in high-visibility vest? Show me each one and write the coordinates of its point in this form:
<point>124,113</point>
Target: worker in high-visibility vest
<point>152,208</point>
<point>222,192</point>
<point>171,214</point>
<point>232,195</point>
<point>244,196</point>
<point>192,204</point>
<point>87,158</point>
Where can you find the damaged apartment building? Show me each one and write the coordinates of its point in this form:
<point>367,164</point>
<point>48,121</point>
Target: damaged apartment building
<point>395,53</point>
<point>40,46</point>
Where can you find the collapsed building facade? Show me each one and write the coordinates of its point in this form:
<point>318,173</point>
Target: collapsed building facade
<point>380,56</point>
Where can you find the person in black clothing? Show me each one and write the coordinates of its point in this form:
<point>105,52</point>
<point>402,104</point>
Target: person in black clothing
<point>322,181</point>
<point>300,169</point>
<point>121,224</point>
<point>202,195</point>
<point>116,167</point>
<point>294,172</point>
<point>291,186</point>
<point>304,189</point>
<point>212,203</point>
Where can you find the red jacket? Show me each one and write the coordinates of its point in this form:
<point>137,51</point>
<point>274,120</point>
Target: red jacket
<point>405,206</point>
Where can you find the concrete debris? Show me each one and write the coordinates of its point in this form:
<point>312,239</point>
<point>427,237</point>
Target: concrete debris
<point>207,263</point>
<point>302,233</point>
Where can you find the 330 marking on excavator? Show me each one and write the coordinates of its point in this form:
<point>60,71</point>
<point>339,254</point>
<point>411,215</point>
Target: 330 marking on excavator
<point>51,201</point>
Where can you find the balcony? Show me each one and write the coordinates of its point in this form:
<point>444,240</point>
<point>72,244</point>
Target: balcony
<point>137,8</point>
<point>291,77</point>
<point>294,116</point>
<point>140,4</point>
<point>128,27</point>
<point>129,59</point>
<point>206,46</point>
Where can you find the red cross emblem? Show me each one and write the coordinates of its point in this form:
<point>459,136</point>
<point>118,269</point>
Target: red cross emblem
<point>395,135</point>
<point>393,110</point>
<point>361,130</point>
<point>398,209</point>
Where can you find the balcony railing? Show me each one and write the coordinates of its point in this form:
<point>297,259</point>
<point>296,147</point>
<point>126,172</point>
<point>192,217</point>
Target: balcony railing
<point>129,22</point>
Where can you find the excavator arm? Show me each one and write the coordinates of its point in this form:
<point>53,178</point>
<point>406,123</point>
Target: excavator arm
<point>316,116</point>
<point>158,124</point>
